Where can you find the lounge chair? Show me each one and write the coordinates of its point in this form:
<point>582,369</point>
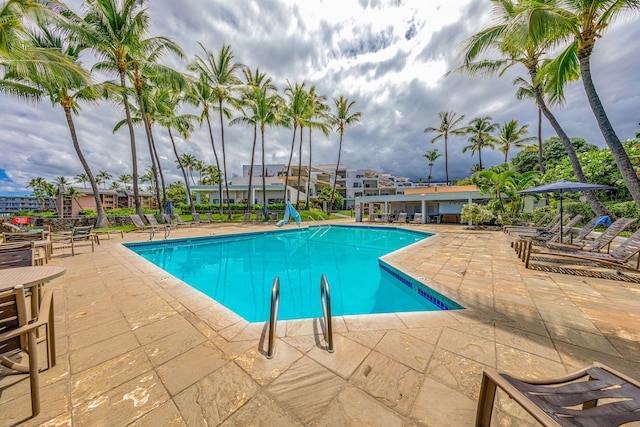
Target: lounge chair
<point>18,333</point>
<point>246,217</point>
<point>545,239</point>
<point>384,217</point>
<point>198,220</point>
<point>555,221</point>
<point>615,259</point>
<point>79,234</point>
<point>259,218</point>
<point>177,220</point>
<point>401,218</point>
<point>603,240</point>
<point>372,218</point>
<point>141,226</point>
<point>594,396</point>
<point>151,219</point>
<point>551,228</point>
<point>417,218</point>
<point>539,224</point>
<point>209,216</point>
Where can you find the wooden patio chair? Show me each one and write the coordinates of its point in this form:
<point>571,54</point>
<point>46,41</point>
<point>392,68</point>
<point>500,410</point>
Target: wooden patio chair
<point>21,257</point>
<point>141,226</point>
<point>78,234</point>
<point>594,396</point>
<point>19,334</point>
<point>615,259</point>
<point>38,239</point>
<point>38,256</point>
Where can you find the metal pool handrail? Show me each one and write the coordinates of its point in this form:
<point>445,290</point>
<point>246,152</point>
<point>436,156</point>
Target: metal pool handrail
<point>273,318</point>
<point>325,297</point>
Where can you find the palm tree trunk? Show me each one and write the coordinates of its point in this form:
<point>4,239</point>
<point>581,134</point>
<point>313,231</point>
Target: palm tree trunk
<point>286,178</point>
<point>299,170</point>
<point>132,137</point>
<point>215,155</point>
<point>596,205</point>
<point>159,171</point>
<point>253,152</point>
<point>224,162</point>
<point>446,160</point>
<point>609,134</point>
<point>335,179</point>
<point>264,182</point>
<point>480,157</point>
<point>101,221</point>
<point>540,141</point>
<point>309,173</point>
<point>184,173</point>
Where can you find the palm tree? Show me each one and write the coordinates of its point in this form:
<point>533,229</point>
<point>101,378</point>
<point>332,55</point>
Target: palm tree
<point>19,49</point>
<point>255,84</point>
<point>295,111</point>
<point>448,123</point>
<point>82,178</point>
<point>63,91</point>
<point>525,90</point>
<point>221,74</point>
<point>318,119</point>
<point>511,39</point>
<point>211,175</point>
<point>269,107</point>
<point>104,176</point>
<point>38,189</point>
<point>145,67</point>
<point>125,179</point>
<point>188,161</point>
<point>342,118</point>
<point>509,136</point>
<point>431,156</point>
<point>480,130</point>
<point>181,123</point>
<point>200,93</point>
<point>116,29</point>
<point>583,21</point>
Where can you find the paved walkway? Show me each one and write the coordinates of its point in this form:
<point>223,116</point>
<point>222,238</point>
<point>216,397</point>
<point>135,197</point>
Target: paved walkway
<point>139,347</point>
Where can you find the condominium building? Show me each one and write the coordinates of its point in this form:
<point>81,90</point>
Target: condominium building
<point>9,205</point>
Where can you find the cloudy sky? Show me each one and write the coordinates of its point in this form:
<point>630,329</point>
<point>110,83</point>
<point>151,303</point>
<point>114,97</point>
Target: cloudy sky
<point>390,56</point>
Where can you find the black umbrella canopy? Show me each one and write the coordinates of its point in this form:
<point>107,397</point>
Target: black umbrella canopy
<point>564,187</point>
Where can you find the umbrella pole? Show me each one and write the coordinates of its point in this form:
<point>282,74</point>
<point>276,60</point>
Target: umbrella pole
<point>561,216</point>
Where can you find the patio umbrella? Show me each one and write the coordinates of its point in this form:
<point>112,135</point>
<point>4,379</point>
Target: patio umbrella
<point>564,187</point>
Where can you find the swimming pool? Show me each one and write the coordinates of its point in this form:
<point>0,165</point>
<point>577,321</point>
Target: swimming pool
<point>238,270</point>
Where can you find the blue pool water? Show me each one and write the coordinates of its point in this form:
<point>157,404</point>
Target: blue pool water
<point>238,270</point>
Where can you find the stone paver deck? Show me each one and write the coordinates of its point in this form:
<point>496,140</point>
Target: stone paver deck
<point>139,347</point>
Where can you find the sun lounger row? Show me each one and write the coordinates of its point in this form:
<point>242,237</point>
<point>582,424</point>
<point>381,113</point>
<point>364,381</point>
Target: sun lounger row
<point>584,250</point>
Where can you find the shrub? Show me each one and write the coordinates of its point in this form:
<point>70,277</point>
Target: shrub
<point>478,214</point>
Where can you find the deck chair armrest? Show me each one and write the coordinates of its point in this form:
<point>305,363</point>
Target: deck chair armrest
<point>42,319</point>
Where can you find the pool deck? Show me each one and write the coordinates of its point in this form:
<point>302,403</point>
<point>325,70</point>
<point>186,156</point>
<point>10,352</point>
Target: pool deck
<point>139,347</point>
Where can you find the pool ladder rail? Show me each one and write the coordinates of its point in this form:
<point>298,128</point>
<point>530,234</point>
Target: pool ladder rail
<point>325,297</point>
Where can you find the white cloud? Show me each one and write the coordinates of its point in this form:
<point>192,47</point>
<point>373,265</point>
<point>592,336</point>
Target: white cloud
<point>389,56</point>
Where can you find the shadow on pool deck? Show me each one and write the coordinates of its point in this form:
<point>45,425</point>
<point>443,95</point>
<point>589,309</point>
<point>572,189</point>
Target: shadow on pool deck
<point>137,346</point>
